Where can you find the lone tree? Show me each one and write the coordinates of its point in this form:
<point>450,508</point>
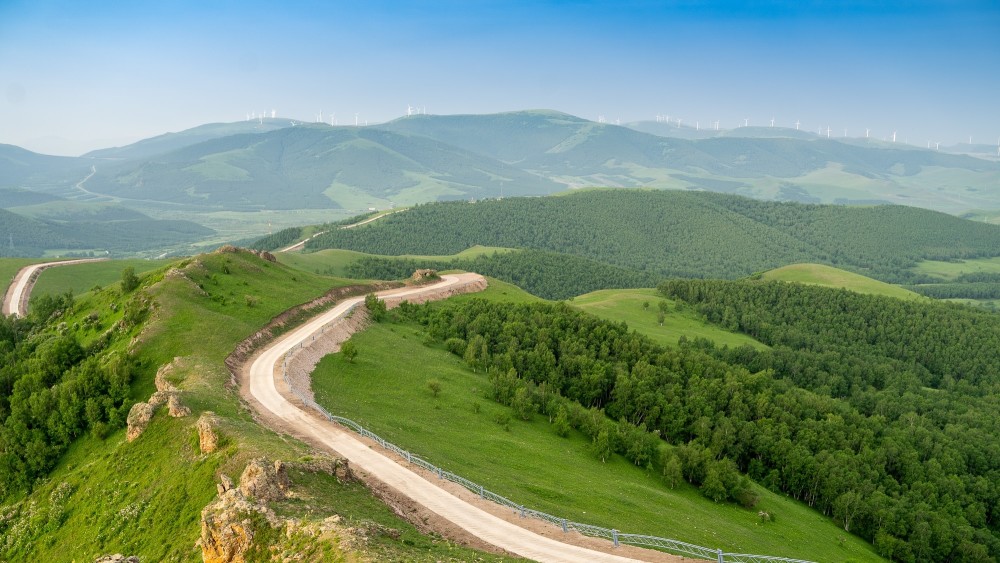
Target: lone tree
<point>435,387</point>
<point>130,281</point>
<point>349,350</point>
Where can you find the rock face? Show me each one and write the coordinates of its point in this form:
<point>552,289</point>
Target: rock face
<point>138,419</point>
<point>228,524</point>
<point>208,439</point>
<point>264,481</point>
<point>424,275</point>
<point>161,376</point>
<point>175,407</point>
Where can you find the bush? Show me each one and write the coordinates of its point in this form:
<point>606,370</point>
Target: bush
<point>130,281</point>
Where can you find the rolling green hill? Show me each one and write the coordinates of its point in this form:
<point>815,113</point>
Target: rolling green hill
<point>314,167</point>
<point>827,276</point>
<point>169,142</point>
<point>682,234</point>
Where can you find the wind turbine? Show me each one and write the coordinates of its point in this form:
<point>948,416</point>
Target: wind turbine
<point>937,146</point>
<point>697,126</point>
<point>716,124</point>
<point>796,124</point>
<point>409,110</point>
<point>772,123</point>
<point>867,130</point>
<point>893,136</point>
<point>273,114</point>
<point>827,131</point>
<point>355,119</point>
<point>845,132</point>
<point>746,121</point>
<point>679,123</point>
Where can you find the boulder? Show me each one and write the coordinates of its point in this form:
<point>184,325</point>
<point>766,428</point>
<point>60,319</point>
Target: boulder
<point>138,419</point>
<point>260,481</point>
<point>208,439</point>
<point>227,532</point>
<point>117,558</point>
<point>176,408</point>
<point>161,376</point>
<point>159,398</point>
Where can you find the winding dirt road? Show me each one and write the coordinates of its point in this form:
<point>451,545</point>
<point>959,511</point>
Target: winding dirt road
<point>15,301</point>
<point>267,387</point>
<point>301,244</point>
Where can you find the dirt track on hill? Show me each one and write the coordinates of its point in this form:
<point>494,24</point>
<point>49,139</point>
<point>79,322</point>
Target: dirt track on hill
<point>424,500</point>
<point>15,301</point>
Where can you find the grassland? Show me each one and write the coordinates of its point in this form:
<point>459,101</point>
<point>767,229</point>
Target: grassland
<point>532,465</point>
<point>145,497</point>
<point>629,306</point>
<point>828,276</point>
<point>948,271</point>
<point>81,278</point>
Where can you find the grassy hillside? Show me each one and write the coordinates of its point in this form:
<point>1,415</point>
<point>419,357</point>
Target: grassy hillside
<point>336,262</point>
<point>639,308</point>
<point>459,431</point>
<point>682,234</point>
<point>826,276</point>
<point>317,167</point>
<point>107,495</point>
<point>81,278</point>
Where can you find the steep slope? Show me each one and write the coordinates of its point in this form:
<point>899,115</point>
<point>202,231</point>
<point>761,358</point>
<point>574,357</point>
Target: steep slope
<point>21,168</point>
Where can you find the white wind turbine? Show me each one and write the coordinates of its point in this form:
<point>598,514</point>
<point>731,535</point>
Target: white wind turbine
<point>796,124</point>
<point>772,123</point>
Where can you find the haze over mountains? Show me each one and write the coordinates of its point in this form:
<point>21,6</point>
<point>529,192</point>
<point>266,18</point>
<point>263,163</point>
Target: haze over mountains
<point>247,178</point>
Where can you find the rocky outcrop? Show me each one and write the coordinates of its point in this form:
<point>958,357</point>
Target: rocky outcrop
<point>138,419</point>
<point>175,408</point>
<point>162,384</point>
<point>263,480</point>
<point>425,275</point>
<point>208,438</point>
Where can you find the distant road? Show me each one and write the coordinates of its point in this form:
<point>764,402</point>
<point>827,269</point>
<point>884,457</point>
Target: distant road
<point>15,301</point>
<point>264,378</point>
<point>299,245</point>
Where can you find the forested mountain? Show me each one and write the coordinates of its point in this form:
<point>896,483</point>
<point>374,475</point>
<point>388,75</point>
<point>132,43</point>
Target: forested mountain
<point>20,168</point>
<point>878,412</point>
<point>116,231</point>
<point>169,142</point>
<point>313,167</point>
<point>681,234</point>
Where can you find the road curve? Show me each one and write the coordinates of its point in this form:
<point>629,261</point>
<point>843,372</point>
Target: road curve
<point>15,301</point>
<point>265,370</point>
<point>301,244</point>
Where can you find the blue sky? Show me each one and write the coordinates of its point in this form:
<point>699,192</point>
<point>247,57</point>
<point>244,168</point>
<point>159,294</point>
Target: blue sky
<point>79,75</point>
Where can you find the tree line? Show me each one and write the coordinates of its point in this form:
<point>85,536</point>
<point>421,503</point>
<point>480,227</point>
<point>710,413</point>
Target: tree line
<point>894,451</point>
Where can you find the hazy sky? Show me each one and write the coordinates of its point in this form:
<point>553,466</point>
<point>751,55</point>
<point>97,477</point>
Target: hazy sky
<point>81,75</point>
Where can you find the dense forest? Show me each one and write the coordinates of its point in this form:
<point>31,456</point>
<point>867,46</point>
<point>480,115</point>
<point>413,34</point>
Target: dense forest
<point>546,274</point>
<point>682,234</point>
<point>54,387</point>
<point>880,413</point>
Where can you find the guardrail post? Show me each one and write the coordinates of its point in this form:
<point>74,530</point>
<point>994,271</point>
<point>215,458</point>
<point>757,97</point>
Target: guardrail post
<point>565,527</point>
<point>440,473</point>
<point>614,537</point>
<point>721,558</point>
<point>522,512</point>
<point>409,459</point>
<point>481,492</point>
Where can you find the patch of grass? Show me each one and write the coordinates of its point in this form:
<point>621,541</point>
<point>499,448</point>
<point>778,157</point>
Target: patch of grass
<point>385,389</point>
<point>627,305</point>
<point>948,271</point>
<point>828,276</point>
<point>81,278</point>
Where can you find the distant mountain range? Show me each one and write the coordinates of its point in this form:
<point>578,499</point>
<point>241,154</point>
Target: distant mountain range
<point>256,173</point>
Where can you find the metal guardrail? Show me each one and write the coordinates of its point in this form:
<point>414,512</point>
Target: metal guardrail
<point>616,537</point>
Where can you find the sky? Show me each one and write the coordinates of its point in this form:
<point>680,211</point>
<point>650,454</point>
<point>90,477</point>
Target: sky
<point>76,76</point>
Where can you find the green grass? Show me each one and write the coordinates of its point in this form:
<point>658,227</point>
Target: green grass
<point>626,305</point>
<point>334,262</point>
<point>81,278</point>
<point>828,276</point>
<point>386,390</point>
<point>145,498</point>
<point>948,271</point>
